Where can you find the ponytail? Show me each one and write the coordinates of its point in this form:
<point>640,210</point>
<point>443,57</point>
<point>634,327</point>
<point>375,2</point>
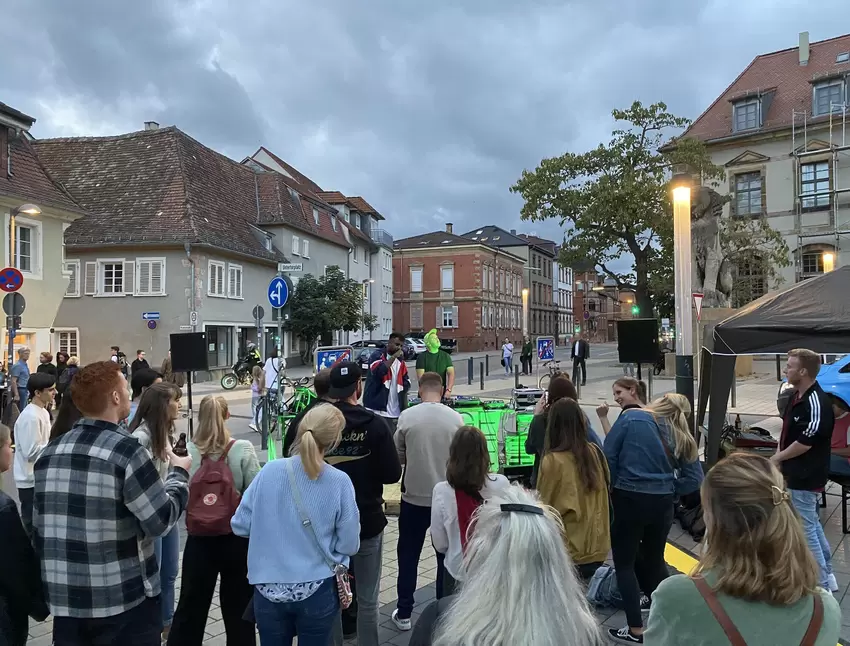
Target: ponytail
<point>319,431</point>
<point>675,409</point>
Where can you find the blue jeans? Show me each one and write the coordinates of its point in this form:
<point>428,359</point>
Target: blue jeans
<point>508,366</point>
<point>807,503</point>
<point>311,619</point>
<point>167,550</point>
<point>839,465</point>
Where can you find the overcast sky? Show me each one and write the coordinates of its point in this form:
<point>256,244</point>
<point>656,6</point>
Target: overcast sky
<point>429,110</point>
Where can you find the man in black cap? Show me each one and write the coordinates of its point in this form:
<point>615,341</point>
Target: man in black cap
<point>368,455</point>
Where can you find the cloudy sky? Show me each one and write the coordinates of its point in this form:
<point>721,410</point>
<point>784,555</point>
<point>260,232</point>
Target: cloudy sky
<point>430,110</point>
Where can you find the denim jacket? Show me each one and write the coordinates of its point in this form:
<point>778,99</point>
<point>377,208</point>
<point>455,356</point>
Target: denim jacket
<point>636,458</point>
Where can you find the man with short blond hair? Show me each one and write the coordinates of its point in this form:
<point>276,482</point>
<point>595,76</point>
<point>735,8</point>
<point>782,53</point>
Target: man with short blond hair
<point>804,452</point>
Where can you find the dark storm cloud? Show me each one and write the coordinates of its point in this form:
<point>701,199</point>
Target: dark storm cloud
<point>429,110</point>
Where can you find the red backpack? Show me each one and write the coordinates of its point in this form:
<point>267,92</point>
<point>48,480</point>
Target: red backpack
<point>212,498</point>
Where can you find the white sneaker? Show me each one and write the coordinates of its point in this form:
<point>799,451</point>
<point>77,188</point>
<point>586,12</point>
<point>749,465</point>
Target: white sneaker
<point>252,426</point>
<point>401,624</point>
<point>833,584</point>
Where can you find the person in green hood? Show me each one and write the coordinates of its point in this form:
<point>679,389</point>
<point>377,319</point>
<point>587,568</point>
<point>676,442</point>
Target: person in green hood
<point>436,360</point>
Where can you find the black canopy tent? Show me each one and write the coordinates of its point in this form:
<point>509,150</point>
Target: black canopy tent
<point>813,314</point>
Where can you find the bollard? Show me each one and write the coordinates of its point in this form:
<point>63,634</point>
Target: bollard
<point>778,368</point>
<point>734,392</point>
<point>516,376</point>
<point>481,373</point>
<point>264,425</point>
<point>487,365</point>
<point>469,368</point>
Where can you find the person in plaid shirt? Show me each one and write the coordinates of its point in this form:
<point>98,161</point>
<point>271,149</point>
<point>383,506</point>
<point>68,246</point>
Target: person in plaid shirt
<point>99,503</point>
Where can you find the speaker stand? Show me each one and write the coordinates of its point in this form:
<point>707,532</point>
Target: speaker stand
<point>189,398</point>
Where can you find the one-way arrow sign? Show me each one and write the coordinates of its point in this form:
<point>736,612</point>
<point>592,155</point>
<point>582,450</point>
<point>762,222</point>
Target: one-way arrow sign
<point>150,316</point>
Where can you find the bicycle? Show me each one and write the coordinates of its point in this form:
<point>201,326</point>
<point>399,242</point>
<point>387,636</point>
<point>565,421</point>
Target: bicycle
<point>281,411</point>
<point>554,367</point>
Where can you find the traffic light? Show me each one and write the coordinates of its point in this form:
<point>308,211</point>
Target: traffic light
<point>635,310</point>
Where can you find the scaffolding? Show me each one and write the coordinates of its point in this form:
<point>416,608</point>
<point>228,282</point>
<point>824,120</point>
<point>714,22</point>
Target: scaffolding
<point>838,151</point>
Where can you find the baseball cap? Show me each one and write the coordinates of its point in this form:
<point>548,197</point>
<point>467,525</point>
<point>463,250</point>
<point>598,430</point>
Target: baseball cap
<point>344,379</point>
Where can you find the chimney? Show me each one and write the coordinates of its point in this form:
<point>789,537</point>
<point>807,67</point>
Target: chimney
<point>513,232</point>
<point>449,227</point>
<point>804,48</point>
<point>151,125</point>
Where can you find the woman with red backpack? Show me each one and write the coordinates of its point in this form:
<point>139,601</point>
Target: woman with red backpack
<point>468,484</point>
<point>222,469</point>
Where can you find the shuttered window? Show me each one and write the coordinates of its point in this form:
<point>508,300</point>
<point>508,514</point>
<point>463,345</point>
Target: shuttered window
<point>72,270</point>
<point>150,276</point>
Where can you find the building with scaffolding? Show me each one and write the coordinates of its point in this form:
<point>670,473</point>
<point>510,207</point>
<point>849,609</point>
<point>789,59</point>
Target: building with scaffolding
<point>782,132</point>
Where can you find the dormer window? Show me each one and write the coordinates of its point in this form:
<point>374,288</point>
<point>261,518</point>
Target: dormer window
<point>357,220</point>
<point>843,57</point>
<point>333,223</point>
<point>746,115</point>
<point>828,97</point>
<point>316,215</point>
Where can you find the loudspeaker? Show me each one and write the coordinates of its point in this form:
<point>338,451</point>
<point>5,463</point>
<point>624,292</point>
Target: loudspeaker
<point>189,352</point>
<point>637,340</point>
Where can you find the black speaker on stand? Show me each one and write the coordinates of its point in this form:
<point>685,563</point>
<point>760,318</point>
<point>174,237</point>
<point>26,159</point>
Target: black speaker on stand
<point>637,342</point>
<point>189,355</point>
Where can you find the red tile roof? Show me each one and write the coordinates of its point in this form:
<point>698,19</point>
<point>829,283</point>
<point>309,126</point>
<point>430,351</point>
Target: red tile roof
<point>30,181</point>
<point>364,207</point>
<point>157,186</point>
<point>778,72</point>
<point>332,197</point>
<point>300,177</point>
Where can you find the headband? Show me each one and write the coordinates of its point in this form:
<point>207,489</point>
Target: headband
<point>521,508</point>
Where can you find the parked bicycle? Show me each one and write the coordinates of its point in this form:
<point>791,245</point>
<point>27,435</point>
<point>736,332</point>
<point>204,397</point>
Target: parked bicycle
<point>554,369</point>
<point>281,410</point>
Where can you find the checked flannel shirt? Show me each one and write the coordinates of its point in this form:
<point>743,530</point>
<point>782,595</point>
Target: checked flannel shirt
<point>98,505</point>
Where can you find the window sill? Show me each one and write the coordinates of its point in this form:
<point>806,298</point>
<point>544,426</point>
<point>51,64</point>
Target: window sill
<point>109,295</point>
<point>150,295</point>
<point>71,296</point>
<point>236,298</point>
<point>816,209</point>
<point>216,295</point>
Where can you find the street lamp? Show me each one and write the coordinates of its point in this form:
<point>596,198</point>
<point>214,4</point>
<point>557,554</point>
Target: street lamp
<point>525,311</point>
<point>682,269</point>
<point>828,261</point>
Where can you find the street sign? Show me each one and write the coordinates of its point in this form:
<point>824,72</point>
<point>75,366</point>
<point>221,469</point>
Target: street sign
<point>328,356</point>
<point>698,303</point>
<point>11,280</point>
<point>150,316</point>
<point>545,348</point>
<point>185,327</point>
<point>586,315</point>
<point>193,319</point>
<point>665,322</point>
<point>14,304</point>
<point>290,267</point>
<point>151,325</point>
<point>258,312</point>
<point>278,292</point>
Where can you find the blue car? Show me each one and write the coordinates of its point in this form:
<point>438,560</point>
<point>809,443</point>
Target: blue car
<point>833,377</point>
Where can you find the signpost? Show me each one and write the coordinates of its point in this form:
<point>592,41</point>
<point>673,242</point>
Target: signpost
<point>150,316</point>
<point>278,292</point>
<point>152,324</point>
<point>545,348</point>
<point>329,356</point>
<point>193,319</point>
<point>11,280</point>
<point>14,305</point>
<point>290,267</point>
<point>698,303</point>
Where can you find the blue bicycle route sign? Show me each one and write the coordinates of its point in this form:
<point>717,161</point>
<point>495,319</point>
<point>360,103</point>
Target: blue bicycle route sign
<point>545,348</point>
<point>278,292</point>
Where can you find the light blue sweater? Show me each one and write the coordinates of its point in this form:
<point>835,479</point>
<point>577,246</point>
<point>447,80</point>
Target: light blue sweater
<point>280,548</point>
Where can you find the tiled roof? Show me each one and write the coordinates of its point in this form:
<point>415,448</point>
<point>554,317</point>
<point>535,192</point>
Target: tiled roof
<point>30,181</point>
<point>332,197</point>
<point>157,186</point>
<point>495,237</point>
<point>364,207</point>
<point>779,76</point>
<point>547,245</point>
<point>358,233</point>
<point>16,114</point>
<point>300,177</point>
<point>435,239</point>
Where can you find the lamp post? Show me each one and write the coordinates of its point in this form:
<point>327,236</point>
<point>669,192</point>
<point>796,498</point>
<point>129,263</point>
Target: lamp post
<point>525,311</point>
<point>828,261</point>
<point>366,282</point>
<point>683,289</point>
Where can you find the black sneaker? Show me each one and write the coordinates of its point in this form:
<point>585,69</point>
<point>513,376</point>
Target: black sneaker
<point>624,635</point>
<point>645,603</point>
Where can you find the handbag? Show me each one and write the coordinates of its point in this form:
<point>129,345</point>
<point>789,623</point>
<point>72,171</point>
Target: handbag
<point>343,585</point>
<point>735,637</point>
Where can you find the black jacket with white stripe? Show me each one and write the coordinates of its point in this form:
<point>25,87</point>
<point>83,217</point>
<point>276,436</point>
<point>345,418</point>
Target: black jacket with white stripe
<point>808,419</point>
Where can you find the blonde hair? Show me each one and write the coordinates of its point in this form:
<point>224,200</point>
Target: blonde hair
<point>211,436</point>
<point>674,408</point>
<point>754,540</point>
<point>809,360</point>
<point>257,373</point>
<point>5,435</point>
<point>73,361</point>
<point>225,408</point>
<point>318,432</point>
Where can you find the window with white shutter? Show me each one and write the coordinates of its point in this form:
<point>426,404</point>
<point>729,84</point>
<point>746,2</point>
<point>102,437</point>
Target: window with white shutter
<point>91,278</point>
<point>111,277</point>
<point>234,281</point>
<point>150,277</point>
<point>72,270</point>
<point>305,248</point>
<point>129,277</point>
<point>68,342</point>
<point>296,249</point>
<point>215,279</point>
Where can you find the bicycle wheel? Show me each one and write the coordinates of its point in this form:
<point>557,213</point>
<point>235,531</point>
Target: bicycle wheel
<point>258,414</point>
<point>543,382</point>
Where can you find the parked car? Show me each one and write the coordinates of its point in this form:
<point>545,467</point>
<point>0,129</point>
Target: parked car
<point>449,345</point>
<point>833,377</point>
<point>413,348</point>
<point>363,351</point>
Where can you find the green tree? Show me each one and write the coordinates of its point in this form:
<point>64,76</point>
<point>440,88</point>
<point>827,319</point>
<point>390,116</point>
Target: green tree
<point>615,199</point>
<point>321,306</point>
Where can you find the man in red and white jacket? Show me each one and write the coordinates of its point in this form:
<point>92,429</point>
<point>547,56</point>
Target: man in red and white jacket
<point>387,383</point>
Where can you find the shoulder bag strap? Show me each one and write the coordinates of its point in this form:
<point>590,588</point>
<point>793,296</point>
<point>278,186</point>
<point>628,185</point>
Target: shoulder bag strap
<point>227,450</point>
<point>719,613</point>
<point>815,624</point>
<point>305,519</point>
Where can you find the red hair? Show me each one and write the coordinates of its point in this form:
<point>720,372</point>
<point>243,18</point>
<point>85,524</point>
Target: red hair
<point>92,387</point>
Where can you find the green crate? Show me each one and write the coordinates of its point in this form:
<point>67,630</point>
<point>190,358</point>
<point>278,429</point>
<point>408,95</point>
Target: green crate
<point>515,455</point>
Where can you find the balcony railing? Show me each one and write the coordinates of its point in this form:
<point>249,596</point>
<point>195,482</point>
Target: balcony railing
<point>382,237</point>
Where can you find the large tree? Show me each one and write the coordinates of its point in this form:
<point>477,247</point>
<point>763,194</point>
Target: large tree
<point>614,200</point>
<point>321,306</point>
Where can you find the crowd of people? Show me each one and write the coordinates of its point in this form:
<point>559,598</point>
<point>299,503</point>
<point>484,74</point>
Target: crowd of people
<point>296,546</point>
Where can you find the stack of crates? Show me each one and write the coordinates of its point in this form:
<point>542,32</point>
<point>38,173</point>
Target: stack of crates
<point>515,455</point>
